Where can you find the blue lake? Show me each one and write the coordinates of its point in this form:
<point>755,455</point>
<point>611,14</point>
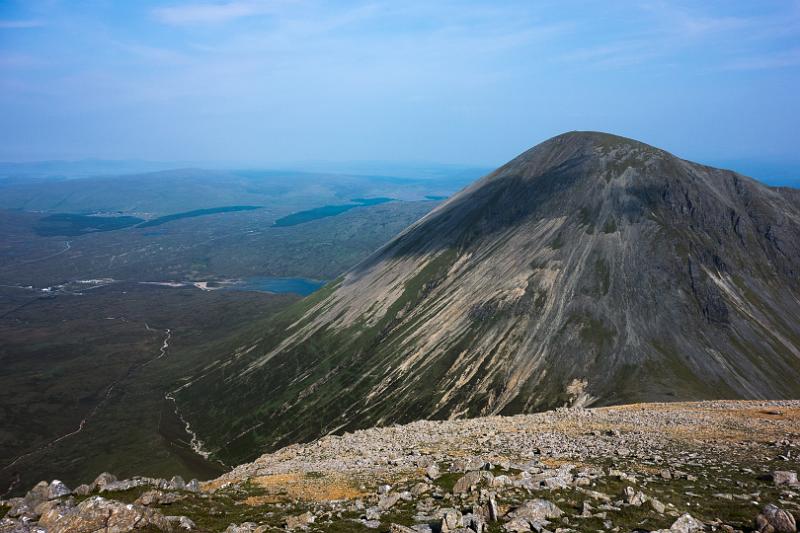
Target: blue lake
<point>300,286</point>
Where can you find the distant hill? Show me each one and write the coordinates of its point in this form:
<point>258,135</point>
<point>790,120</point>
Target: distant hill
<point>167,192</point>
<point>56,169</point>
<point>590,270</point>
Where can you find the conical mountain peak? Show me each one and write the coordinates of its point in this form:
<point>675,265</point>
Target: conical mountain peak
<point>602,149</point>
<point>596,138</point>
<point>591,269</point>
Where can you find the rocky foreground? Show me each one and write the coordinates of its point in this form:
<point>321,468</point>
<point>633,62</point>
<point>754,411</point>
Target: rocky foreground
<point>682,467</point>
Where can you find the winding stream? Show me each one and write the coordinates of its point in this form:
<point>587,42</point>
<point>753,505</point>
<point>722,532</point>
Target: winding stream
<point>194,443</point>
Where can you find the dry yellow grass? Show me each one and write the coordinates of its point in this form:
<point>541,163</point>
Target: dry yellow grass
<point>299,486</point>
<point>784,414</point>
<point>751,421</point>
<point>214,484</point>
<point>748,422</point>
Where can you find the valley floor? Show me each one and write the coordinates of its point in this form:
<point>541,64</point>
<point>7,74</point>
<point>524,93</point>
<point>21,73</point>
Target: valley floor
<point>679,466</point>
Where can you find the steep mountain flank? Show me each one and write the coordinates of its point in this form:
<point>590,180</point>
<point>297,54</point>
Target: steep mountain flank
<point>591,269</point>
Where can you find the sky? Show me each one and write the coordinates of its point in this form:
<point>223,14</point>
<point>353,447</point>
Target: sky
<point>271,81</point>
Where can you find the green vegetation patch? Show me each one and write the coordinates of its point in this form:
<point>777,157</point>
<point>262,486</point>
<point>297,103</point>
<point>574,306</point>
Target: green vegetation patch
<point>592,331</point>
<point>603,275</point>
<point>73,225</point>
<point>228,506</point>
<point>197,213</point>
<point>70,225</point>
<point>557,242</point>
<point>308,215</point>
<point>447,481</point>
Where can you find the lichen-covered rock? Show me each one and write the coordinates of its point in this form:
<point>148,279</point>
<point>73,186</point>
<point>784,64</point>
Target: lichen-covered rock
<point>18,507</point>
<point>82,490</point>
<point>784,478</point>
<point>182,522</point>
<point>300,521</point>
<point>123,485</point>
<point>474,522</point>
<point>157,497</point>
<point>450,519</point>
<point>387,501</point>
<point>773,519</point>
<point>45,507</point>
<point>39,492</point>
<point>420,488</point>
<point>102,480</point>
<point>657,506</point>
<point>9,525</point>
<point>538,510</point>
<point>57,489</point>
<point>471,480</point>
<point>686,523</point>
<point>492,510</point>
<point>245,527</point>
<point>634,497</point>
<point>55,512</point>
<point>517,525</point>
<point>100,515</point>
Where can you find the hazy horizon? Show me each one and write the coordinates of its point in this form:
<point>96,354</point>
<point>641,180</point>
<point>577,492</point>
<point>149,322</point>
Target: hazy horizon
<point>772,172</point>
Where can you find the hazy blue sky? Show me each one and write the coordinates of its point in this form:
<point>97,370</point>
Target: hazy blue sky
<point>465,82</point>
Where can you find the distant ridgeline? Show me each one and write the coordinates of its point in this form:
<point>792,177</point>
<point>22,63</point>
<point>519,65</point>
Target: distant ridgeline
<point>326,211</point>
<point>71,225</point>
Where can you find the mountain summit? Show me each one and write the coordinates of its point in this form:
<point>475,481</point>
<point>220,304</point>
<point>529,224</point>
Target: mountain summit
<point>591,269</point>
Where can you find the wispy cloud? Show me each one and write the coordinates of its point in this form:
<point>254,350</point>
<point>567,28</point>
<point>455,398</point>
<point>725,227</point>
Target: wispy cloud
<point>664,33</point>
<point>154,55</point>
<point>695,24</point>
<point>20,24</point>
<point>785,59</point>
<point>212,13</point>
<point>613,55</point>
